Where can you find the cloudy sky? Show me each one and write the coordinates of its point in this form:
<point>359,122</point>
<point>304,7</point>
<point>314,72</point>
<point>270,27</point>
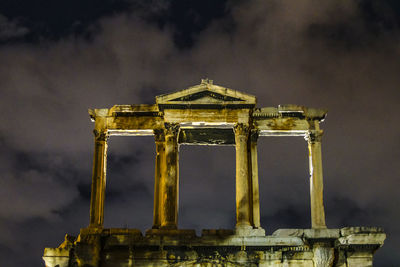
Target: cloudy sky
<point>59,58</point>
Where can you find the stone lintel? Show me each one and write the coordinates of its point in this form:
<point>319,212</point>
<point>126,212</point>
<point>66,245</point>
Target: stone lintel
<point>293,111</point>
<point>206,136</point>
<point>133,109</point>
<point>128,125</point>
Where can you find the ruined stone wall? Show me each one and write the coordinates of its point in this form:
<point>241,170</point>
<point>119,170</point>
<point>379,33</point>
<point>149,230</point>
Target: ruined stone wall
<point>347,247</point>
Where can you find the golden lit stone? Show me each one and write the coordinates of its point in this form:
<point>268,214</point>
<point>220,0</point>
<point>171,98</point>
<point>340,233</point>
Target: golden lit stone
<point>209,114</point>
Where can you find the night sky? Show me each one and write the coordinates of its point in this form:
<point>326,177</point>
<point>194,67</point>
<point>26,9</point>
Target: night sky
<point>59,58</point>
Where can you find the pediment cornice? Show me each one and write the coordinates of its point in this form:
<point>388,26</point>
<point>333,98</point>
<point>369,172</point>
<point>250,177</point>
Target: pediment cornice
<point>206,94</point>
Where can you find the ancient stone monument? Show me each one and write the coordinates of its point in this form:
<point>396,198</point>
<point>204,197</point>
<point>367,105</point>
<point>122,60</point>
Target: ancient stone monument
<point>208,114</point>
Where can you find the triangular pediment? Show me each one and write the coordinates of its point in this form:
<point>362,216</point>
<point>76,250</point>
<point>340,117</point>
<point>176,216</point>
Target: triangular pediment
<point>206,93</point>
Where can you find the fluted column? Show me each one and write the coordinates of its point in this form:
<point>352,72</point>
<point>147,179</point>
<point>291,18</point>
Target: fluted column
<point>98,179</point>
<point>254,179</point>
<point>170,178</point>
<point>316,179</point>
<point>243,185</point>
<point>159,137</point>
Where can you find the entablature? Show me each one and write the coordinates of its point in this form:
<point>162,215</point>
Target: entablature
<point>207,110</point>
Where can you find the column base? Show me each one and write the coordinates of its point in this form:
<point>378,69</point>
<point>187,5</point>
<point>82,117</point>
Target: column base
<point>155,227</point>
<point>247,230</point>
<point>169,226</point>
<point>91,229</point>
<point>319,227</point>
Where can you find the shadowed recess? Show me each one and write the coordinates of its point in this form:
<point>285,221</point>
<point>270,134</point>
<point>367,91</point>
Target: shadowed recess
<point>207,187</point>
<point>130,181</point>
<point>284,183</point>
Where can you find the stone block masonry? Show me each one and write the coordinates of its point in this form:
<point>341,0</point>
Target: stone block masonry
<point>208,114</point>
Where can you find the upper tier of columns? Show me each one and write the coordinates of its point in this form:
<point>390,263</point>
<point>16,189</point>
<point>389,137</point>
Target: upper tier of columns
<point>166,185</point>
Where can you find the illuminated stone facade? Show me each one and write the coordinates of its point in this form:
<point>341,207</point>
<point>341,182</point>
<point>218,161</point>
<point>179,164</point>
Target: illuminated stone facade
<point>208,114</point>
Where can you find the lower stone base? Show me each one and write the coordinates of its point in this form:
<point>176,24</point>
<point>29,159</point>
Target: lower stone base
<point>249,231</point>
<point>173,232</point>
<point>347,247</point>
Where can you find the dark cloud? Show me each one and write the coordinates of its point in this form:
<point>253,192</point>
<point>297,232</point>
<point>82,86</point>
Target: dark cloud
<point>341,55</point>
<point>11,29</point>
<point>53,20</point>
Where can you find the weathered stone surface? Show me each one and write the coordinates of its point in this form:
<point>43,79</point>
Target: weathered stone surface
<point>323,256</point>
<point>321,233</point>
<point>289,232</point>
<point>54,257</point>
<point>287,247</point>
<point>249,231</point>
<point>360,229</point>
<point>309,233</point>
<point>363,239</point>
<point>209,114</point>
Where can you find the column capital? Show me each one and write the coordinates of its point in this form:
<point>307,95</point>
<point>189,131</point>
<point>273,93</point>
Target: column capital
<point>101,135</point>
<point>171,128</point>
<point>314,136</point>
<point>241,129</point>
<point>254,133</point>
<point>159,135</point>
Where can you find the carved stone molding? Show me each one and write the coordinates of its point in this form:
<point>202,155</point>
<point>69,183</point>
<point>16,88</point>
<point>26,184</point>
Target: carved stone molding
<point>241,129</point>
<point>171,128</point>
<point>314,136</point>
<point>159,135</point>
<point>101,135</point>
<point>323,256</point>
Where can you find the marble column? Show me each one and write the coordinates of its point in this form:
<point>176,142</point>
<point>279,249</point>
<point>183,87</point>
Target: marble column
<point>170,178</point>
<point>316,179</point>
<point>243,185</point>
<point>159,137</point>
<point>254,178</point>
<point>98,179</point>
